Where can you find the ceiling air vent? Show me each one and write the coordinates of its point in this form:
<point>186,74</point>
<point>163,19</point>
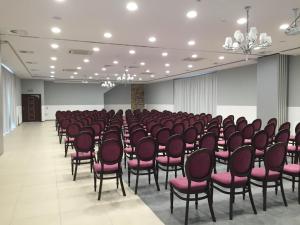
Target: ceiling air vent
<point>133,67</point>
<point>190,59</point>
<point>69,70</point>
<point>26,52</point>
<point>31,63</point>
<point>19,32</point>
<point>80,52</point>
<point>106,66</point>
<point>145,73</point>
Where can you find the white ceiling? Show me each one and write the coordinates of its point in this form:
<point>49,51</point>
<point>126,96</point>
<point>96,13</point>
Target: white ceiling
<point>83,23</point>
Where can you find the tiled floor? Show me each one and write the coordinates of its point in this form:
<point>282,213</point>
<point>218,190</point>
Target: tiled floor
<point>36,186</point>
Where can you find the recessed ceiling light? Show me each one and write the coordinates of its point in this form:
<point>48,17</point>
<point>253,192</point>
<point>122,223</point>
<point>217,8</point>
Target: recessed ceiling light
<point>96,49</point>
<point>134,75</point>
<point>152,39</point>
<point>142,63</point>
<point>59,0</point>
<point>221,57</point>
<point>52,67</point>
<point>72,77</point>
<point>54,46</point>
<point>52,76</point>
<point>152,75</point>
<point>75,73</point>
<point>86,60</point>
<point>191,42</point>
<point>132,52</point>
<point>103,69</point>
<point>90,78</point>
<point>79,67</point>
<point>190,66</point>
<point>242,20</point>
<point>127,70</point>
<point>191,14</point>
<point>132,6</point>
<point>284,26</point>
<point>55,30</point>
<point>53,58</point>
<point>107,78</point>
<point>167,65</point>
<point>115,62</point>
<point>107,35</point>
<point>164,54</point>
<point>116,74</point>
<point>96,74</point>
<point>167,71</point>
<point>52,72</point>
<point>147,71</point>
<point>194,56</point>
<point>140,78</point>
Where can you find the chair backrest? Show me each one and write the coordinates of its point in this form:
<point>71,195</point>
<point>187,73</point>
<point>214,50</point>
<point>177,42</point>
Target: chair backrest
<point>114,135</point>
<point>175,146</point>
<point>190,135</point>
<point>240,119</point>
<point>273,120</point>
<point>110,152</point>
<point>65,123</point>
<point>215,130</point>
<point>178,128</point>
<point>241,124</point>
<point>260,140</point>
<point>297,128</point>
<point>257,124</point>
<point>282,136</point>
<point>146,149</point>
<point>285,126</point>
<point>248,131</point>
<point>136,136</point>
<point>89,130</point>
<point>235,141</point>
<point>241,161</point>
<point>169,124</point>
<point>199,165</point>
<point>97,129</point>
<point>73,130</point>
<point>186,123</point>
<point>154,129</point>
<point>275,157</point>
<point>84,142</point>
<point>209,141</point>
<point>228,131</point>
<point>199,127</point>
<point>163,135</point>
<point>270,129</point>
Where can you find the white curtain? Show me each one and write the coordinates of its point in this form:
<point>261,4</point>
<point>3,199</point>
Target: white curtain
<point>196,94</point>
<point>11,101</point>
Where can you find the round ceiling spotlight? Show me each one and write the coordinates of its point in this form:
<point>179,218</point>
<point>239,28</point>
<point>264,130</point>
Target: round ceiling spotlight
<point>152,39</point>
<point>191,42</point>
<point>191,14</point>
<point>142,63</point>
<point>132,52</point>
<point>164,54</point>
<point>107,35</point>
<point>55,30</point>
<point>284,26</point>
<point>132,6</point>
<point>194,56</point>
<point>53,58</point>
<point>96,49</point>
<point>54,46</point>
<point>86,60</point>
<point>242,20</point>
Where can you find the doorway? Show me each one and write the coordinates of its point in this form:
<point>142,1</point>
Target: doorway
<point>31,107</point>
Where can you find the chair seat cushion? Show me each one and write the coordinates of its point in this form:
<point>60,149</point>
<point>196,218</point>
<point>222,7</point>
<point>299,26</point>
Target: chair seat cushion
<point>106,168</point>
<point>247,141</point>
<point>162,148</point>
<point>143,164</point>
<point>189,146</point>
<point>128,150</point>
<point>292,137</point>
<point>127,141</point>
<point>97,138</point>
<point>260,174</point>
<point>82,155</point>
<point>222,154</point>
<point>224,179</point>
<point>292,169</point>
<point>70,139</point>
<point>292,148</point>
<point>126,135</point>
<point>172,161</point>
<point>221,142</point>
<point>259,153</point>
<point>181,184</point>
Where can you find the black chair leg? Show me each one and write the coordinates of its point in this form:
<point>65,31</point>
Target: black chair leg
<point>231,203</point>
<point>171,199</point>
<point>293,184</point>
<point>196,201</point>
<point>122,185</point>
<point>175,171</point>
<point>117,180</point>
<point>182,169</point>
<point>149,177</point>
<point>128,176</point>
<point>167,177</point>
<point>251,199</point>
<point>156,178</point>
<point>264,196</point>
<point>95,182</point>
<point>100,187</point>
<point>210,204</point>
<point>137,181</point>
<point>187,209</point>
<point>75,173</point>
<point>282,193</point>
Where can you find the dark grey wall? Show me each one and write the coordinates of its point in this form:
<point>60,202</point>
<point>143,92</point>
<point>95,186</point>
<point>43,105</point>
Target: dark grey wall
<point>73,94</point>
<point>120,94</point>
<point>294,82</point>
<point>159,93</point>
<point>237,86</point>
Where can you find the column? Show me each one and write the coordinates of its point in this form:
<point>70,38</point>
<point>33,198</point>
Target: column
<point>137,96</point>
<point>1,108</point>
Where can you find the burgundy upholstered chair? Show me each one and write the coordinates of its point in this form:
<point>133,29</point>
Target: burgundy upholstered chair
<point>84,144</point>
<point>272,171</point>
<point>162,137</point>
<point>215,130</point>
<point>272,120</point>
<point>282,136</point>
<point>110,157</point>
<point>285,126</point>
<point>270,129</point>
<point>197,182</point>
<point>154,129</point>
<point>72,131</point>
<point>294,150</point>
<point>178,128</point>
<point>169,124</point>
<point>229,130</point>
<point>240,119</point>
<point>190,138</point>
<point>248,133</point>
<point>297,129</point>
<point>199,125</point>
<point>257,124</point>
<point>174,159</point>
<point>238,177</point>
<point>145,161</point>
<point>241,125</point>
<point>62,129</point>
<point>98,131</point>
<point>260,144</point>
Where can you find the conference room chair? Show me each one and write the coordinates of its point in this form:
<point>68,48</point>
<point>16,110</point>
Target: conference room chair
<point>62,128</point>
<point>270,130</point>
<point>174,158</point>
<point>260,143</point>
<point>197,183</point>
<point>285,126</point>
<point>240,125</point>
<point>271,172</point>
<point>248,133</point>
<point>297,129</point>
<point>161,139</point>
<point>273,120</point>
<point>84,144</point>
<point>108,164</point>
<point>237,180</point>
<point>294,149</point>
<point>71,132</point>
<point>178,128</point>
<point>241,118</point>
<point>257,124</point>
<point>144,164</point>
<point>228,130</point>
<point>190,139</point>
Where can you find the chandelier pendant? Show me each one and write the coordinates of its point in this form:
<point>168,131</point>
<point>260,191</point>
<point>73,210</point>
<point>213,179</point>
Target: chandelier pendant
<point>249,41</point>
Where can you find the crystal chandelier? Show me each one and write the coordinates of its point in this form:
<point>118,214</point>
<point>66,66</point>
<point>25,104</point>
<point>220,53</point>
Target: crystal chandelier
<point>126,76</point>
<point>248,41</point>
<point>107,84</point>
